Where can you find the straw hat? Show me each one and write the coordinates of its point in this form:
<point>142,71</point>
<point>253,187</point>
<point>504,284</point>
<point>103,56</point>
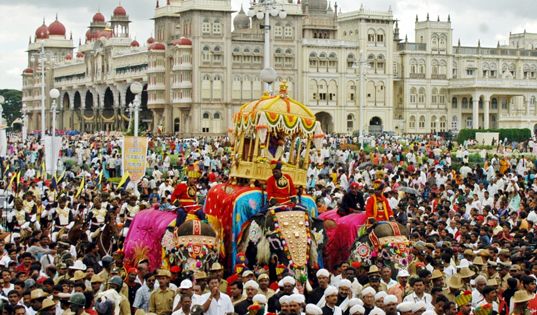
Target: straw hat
<point>492,282</point>
<point>465,273</point>
<point>478,261</point>
<point>454,282</point>
<point>96,279</point>
<point>436,274</point>
<point>373,269</point>
<point>216,267</point>
<point>38,294</point>
<point>47,303</point>
<point>468,252</point>
<point>522,296</point>
<point>79,275</point>
<point>164,273</point>
<point>200,275</point>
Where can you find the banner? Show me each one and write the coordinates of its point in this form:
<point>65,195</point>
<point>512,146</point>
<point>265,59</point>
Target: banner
<point>52,158</point>
<point>134,157</point>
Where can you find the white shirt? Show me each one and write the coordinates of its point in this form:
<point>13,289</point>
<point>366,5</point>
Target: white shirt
<point>426,298</point>
<point>196,300</point>
<point>221,306</point>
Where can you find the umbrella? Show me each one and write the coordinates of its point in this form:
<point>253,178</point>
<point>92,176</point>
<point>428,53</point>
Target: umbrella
<point>408,190</point>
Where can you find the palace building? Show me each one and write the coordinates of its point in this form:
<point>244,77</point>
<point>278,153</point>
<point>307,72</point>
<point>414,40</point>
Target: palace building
<point>204,63</point>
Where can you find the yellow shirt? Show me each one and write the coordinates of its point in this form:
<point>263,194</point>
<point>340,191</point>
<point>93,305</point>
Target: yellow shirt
<point>161,302</point>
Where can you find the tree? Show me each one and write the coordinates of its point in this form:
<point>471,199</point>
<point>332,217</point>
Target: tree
<point>12,105</point>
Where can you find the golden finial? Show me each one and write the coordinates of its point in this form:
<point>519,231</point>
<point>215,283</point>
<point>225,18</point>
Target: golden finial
<point>283,88</point>
<point>266,95</point>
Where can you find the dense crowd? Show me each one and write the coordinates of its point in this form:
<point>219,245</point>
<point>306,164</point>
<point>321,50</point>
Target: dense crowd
<point>471,226</point>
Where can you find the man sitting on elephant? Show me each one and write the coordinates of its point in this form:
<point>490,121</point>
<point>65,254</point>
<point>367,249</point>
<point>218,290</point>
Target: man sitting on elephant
<point>185,197</point>
<point>377,206</point>
<point>280,187</point>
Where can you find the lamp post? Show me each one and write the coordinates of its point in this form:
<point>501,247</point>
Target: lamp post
<point>24,110</point>
<point>54,94</point>
<point>362,65</point>
<point>264,9</point>
<point>42,59</point>
<point>136,89</point>
<point>3,126</point>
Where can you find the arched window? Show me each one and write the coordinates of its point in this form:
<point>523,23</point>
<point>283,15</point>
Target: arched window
<point>455,123</point>
<point>412,122</point>
<point>421,95</point>
<point>350,122</point>
<point>413,66</point>
<point>443,124</point>
<point>351,60</point>
<point>176,125</point>
<point>371,62</point>
<point>380,64</point>
<point>422,122</point>
<point>413,95</point>
<point>371,36</point>
<point>216,115</point>
<point>434,96</point>
<point>421,66</point>
<point>454,103</point>
<point>494,103</point>
<point>433,123</point>
<point>206,115</point>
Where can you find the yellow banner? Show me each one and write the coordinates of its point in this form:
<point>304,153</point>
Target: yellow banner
<point>134,157</point>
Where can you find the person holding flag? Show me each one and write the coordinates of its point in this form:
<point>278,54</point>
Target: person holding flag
<point>63,219</point>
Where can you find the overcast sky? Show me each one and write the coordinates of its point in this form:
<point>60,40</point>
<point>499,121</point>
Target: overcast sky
<point>488,20</point>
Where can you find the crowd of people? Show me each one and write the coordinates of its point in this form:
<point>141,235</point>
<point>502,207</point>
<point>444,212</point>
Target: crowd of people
<point>471,226</point>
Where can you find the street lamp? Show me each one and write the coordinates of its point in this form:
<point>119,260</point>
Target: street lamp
<point>54,94</point>
<point>136,89</point>
<point>3,126</point>
<point>265,9</point>
<point>24,111</point>
<point>362,65</point>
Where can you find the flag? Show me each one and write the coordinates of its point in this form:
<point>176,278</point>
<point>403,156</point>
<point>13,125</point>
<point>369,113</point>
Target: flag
<point>101,176</point>
<point>59,179</point>
<point>43,171</point>
<point>13,176</point>
<point>124,180</point>
<point>79,190</point>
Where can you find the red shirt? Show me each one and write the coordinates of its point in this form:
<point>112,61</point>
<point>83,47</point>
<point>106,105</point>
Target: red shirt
<point>383,212</point>
<point>282,189</point>
<point>184,194</point>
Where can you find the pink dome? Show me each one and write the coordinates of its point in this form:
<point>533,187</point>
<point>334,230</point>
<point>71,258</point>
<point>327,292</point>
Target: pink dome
<point>80,54</point>
<point>150,40</point>
<point>56,28</point>
<point>183,41</point>
<point>41,32</point>
<point>135,43</point>
<point>28,71</point>
<point>98,17</point>
<point>69,57</point>
<point>157,46</point>
<point>120,11</point>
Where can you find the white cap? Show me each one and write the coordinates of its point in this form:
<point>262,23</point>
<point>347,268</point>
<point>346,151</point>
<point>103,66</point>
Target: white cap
<point>289,280</point>
<point>389,299</point>
<point>404,307</point>
<point>284,299</point>
<point>377,311</point>
<point>418,306</point>
<point>185,284</point>
<point>380,295</point>
<point>247,273</point>
<point>323,273</point>
<point>312,309</point>
<point>429,312</point>
<point>357,309</point>
<point>251,284</point>
<point>330,290</point>
<point>368,291</point>
<point>297,298</point>
<point>464,263</point>
<point>355,301</point>
<point>403,273</point>
<point>260,298</point>
<point>344,283</point>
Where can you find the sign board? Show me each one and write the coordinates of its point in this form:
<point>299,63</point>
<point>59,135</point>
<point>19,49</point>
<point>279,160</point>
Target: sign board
<point>487,138</point>
<point>52,157</point>
<point>134,157</point>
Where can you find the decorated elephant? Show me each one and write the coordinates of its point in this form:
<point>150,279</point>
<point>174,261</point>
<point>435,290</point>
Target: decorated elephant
<point>232,206</point>
<point>283,235</point>
<point>386,241</point>
<point>192,246</point>
<point>154,237</point>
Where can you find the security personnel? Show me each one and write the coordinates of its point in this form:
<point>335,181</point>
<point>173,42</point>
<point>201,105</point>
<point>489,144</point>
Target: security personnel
<point>77,303</point>
<point>116,283</point>
<point>161,300</point>
<point>107,263</point>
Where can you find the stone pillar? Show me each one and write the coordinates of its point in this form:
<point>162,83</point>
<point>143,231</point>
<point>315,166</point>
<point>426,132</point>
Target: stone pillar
<point>527,104</point>
<point>475,112</point>
<point>486,113</point>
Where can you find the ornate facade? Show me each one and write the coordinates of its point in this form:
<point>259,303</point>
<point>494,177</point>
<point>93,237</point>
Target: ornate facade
<point>203,64</point>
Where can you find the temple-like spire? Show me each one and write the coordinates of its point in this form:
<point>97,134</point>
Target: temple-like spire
<point>459,43</point>
<point>438,19</point>
<point>158,4</point>
<point>449,18</point>
<point>427,16</point>
<point>416,18</point>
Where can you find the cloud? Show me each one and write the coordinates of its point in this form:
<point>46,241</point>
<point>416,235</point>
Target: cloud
<point>472,20</point>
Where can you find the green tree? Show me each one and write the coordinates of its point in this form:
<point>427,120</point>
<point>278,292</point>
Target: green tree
<point>12,105</point>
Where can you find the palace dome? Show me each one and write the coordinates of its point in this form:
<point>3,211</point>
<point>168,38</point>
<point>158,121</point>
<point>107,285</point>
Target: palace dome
<point>241,21</point>
<point>157,46</point>
<point>120,11</point>
<point>42,32</point>
<point>56,28</point>
<point>98,17</point>
<point>135,43</point>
